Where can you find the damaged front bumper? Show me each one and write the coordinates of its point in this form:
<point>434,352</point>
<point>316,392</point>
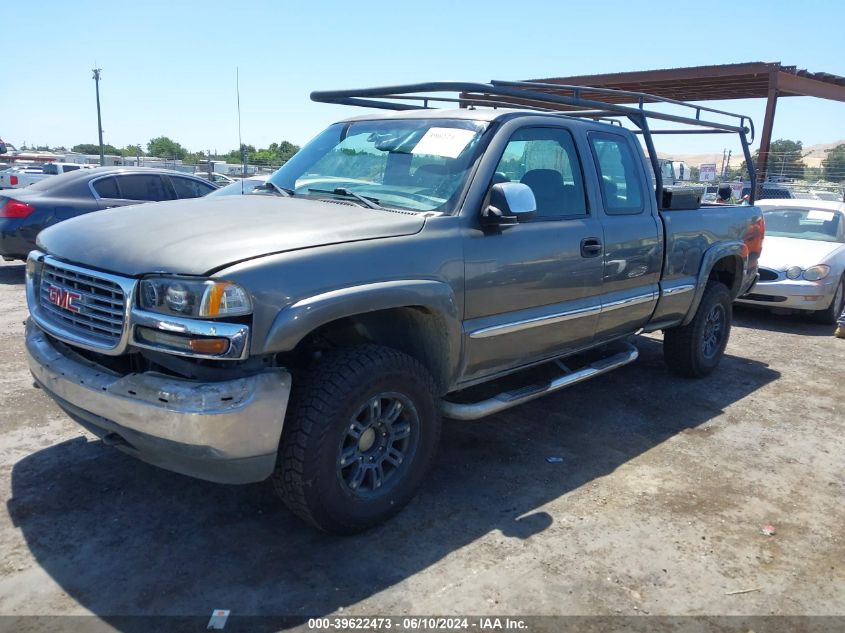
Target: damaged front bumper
<point>226,431</point>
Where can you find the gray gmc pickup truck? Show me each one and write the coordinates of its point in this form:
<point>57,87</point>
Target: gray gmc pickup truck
<point>395,270</point>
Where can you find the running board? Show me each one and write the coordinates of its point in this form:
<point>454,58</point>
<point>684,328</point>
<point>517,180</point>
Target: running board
<point>508,399</point>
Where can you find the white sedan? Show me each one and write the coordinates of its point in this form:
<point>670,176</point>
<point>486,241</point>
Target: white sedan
<point>802,266</point>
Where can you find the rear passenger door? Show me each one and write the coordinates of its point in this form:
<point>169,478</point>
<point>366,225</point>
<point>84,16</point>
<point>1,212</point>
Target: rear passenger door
<point>125,189</point>
<point>633,241</point>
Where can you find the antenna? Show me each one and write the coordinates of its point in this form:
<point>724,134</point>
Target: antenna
<point>240,142</point>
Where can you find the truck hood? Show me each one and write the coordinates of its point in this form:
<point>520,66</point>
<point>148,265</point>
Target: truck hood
<point>195,237</point>
<point>779,253</point>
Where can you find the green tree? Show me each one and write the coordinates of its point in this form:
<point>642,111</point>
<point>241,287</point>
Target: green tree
<point>132,151</point>
<point>93,148</point>
<point>785,159</point>
<point>833,166</point>
<point>163,147</point>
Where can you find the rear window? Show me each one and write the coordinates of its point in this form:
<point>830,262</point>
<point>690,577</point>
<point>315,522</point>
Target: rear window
<point>806,224</point>
<point>106,188</point>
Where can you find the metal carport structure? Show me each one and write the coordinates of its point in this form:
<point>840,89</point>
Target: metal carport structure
<point>751,80</point>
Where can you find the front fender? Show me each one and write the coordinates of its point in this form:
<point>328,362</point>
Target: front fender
<point>296,321</point>
<point>734,249</point>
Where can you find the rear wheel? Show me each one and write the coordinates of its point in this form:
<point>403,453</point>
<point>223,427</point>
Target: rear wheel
<point>359,437</point>
<point>837,304</point>
<point>694,350</point>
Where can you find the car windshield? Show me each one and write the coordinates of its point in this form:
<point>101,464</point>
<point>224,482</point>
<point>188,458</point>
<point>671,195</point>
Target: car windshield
<point>413,164</point>
<point>805,224</point>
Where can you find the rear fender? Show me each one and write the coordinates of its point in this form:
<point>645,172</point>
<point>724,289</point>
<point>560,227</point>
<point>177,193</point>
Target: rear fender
<point>736,251</point>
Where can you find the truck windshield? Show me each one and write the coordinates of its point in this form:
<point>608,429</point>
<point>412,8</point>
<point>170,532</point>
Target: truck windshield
<point>414,164</point>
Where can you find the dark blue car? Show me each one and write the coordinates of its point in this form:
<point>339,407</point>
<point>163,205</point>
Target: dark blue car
<point>25,212</point>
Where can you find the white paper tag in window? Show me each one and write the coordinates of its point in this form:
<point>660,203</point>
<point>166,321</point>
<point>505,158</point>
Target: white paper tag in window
<point>823,216</point>
<point>448,142</point>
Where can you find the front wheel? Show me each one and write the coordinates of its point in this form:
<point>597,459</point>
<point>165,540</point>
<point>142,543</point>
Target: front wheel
<point>694,350</point>
<point>837,304</point>
<point>361,433</point>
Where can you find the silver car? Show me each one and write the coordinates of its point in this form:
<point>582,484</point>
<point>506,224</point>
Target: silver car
<point>802,266</point>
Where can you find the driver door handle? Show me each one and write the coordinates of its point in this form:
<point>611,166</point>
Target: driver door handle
<point>591,247</point>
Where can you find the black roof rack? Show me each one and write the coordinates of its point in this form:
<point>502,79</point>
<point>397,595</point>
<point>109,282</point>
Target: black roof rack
<point>600,104</point>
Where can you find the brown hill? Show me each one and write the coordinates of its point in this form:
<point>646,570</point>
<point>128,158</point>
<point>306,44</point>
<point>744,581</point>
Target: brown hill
<point>813,156</point>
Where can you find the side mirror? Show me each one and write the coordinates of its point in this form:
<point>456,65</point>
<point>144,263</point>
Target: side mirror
<point>510,203</point>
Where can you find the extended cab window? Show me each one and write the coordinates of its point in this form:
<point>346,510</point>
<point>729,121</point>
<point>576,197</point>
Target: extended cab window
<point>545,159</point>
<point>190,188</point>
<point>142,187</point>
<point>106,188</point>
<point>621,185</point>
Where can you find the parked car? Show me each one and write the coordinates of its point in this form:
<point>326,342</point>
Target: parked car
<point>221,180</point>
<point>392,265</point>
<point>771,191</point>
<point>47,170</point>
<point>11,177</point>
<point>25,212</point>
<point>240,187</point>
<point>803,262</point>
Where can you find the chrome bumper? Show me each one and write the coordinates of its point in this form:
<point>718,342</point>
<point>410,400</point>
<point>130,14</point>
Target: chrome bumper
<point>791,294</point>
<point>221,431</point>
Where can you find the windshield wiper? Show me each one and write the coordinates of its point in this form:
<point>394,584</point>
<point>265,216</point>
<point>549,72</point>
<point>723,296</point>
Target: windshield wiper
<point>370,203</point>
<point>272,186</point>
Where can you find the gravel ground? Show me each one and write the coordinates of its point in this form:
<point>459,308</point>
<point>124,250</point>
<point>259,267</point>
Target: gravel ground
<point>657,507</point>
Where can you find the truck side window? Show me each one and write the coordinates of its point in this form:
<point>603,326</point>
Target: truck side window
<point>621,185</point>
<point>545,159</point>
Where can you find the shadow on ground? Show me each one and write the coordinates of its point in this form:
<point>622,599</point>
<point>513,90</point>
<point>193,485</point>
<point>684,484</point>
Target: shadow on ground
<point>124,538</point>
<point>789,323</point>
<point>12,274</point>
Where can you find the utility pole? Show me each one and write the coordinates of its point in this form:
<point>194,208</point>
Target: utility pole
<point>96,72</point>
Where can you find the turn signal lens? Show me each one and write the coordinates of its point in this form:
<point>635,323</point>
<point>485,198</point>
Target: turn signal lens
<point>214,346</point>
<point>175,342</point>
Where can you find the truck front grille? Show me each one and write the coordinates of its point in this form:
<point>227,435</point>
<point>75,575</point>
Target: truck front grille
<point>83,303</point>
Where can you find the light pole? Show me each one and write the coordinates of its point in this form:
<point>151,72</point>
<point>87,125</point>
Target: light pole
<point>96,72</point>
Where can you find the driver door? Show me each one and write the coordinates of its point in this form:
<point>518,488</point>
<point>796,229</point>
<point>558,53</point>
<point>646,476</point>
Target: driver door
<point>533,290</point>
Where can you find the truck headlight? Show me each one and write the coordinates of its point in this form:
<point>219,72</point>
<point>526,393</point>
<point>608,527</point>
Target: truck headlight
<point>814,273</point>
<point>204,298</point>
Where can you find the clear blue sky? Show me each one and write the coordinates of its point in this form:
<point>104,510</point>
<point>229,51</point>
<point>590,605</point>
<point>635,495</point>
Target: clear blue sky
<point>169,67</point>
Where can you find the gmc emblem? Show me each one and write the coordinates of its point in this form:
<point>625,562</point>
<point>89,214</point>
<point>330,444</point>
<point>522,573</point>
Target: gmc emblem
<point>63,298</point>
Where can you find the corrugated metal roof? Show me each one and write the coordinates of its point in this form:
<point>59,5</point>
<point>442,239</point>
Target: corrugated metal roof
<point>703,83</point>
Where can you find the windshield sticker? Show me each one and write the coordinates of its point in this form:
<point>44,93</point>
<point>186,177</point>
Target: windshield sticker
<point>824,216</point>
<point>448,142</point>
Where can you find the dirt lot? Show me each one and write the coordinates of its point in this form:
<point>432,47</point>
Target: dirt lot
<point>657,507</point>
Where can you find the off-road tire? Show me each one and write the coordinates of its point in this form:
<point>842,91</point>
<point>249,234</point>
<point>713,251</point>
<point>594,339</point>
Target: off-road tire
<point>690,350</point>
<point>831,314</point>
<point>309,476</point>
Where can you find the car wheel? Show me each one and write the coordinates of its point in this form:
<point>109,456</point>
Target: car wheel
<point>361,433</point>
<point>694,350</point>
<point>837,304</point>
